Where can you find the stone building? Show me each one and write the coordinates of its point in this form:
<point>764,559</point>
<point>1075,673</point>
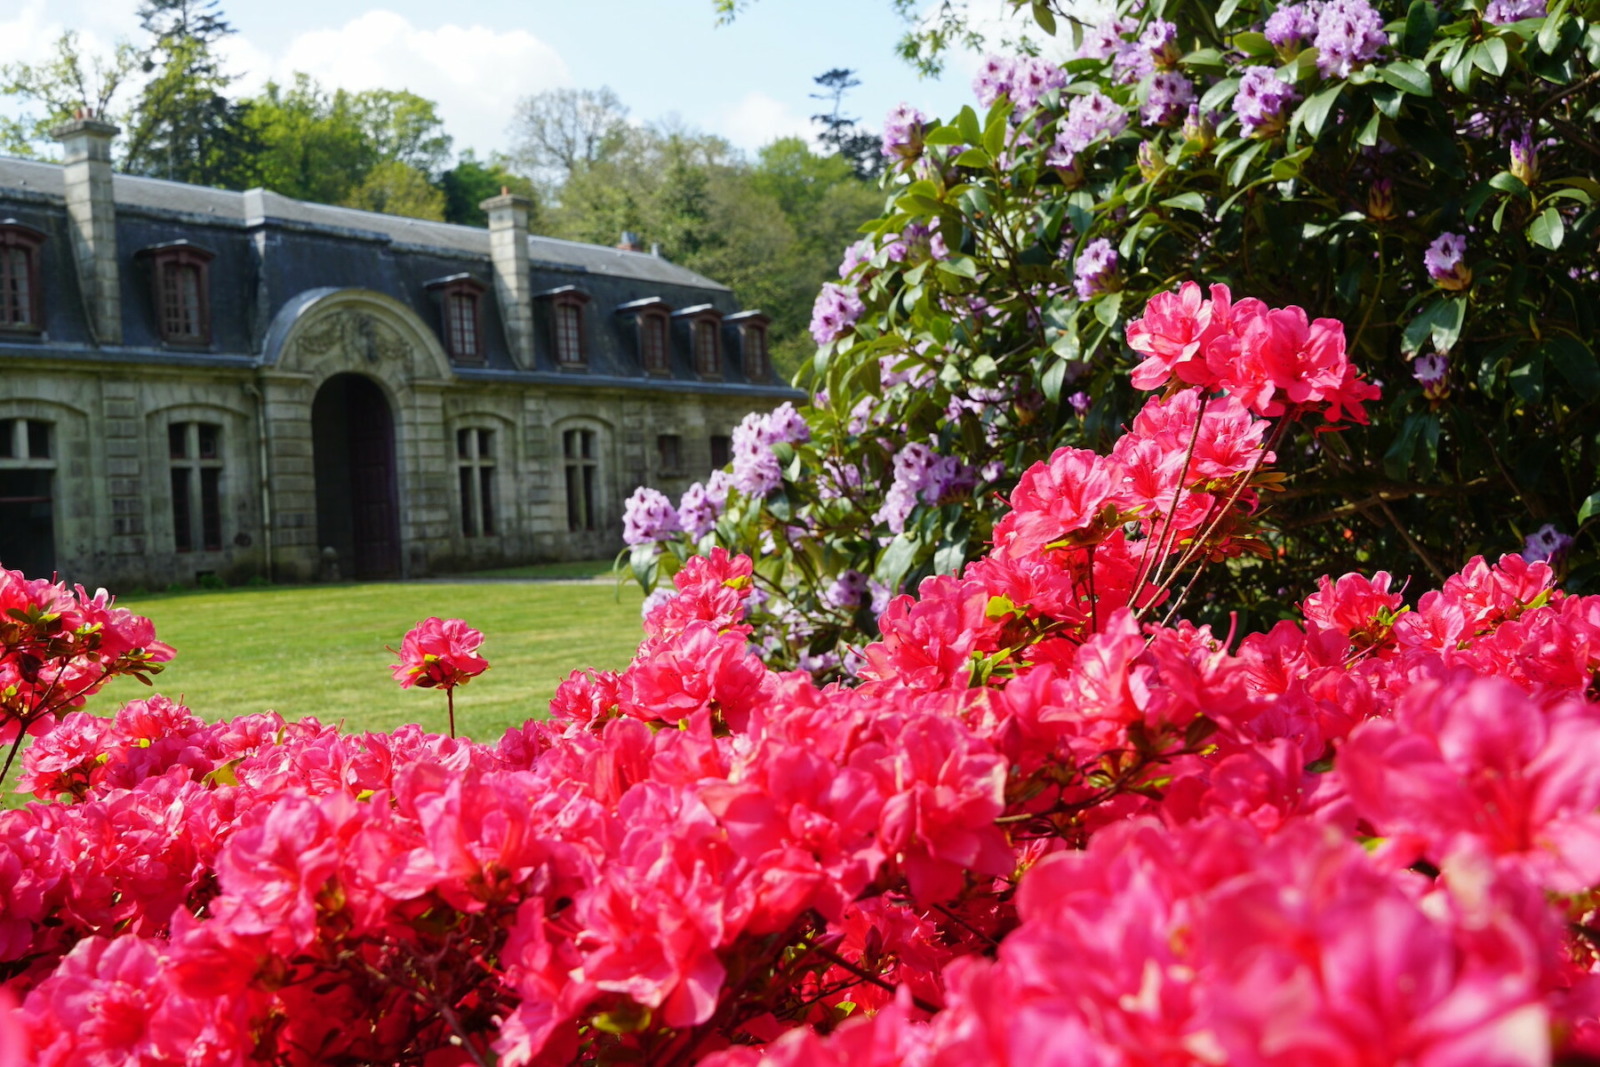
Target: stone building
<point>197,382</point>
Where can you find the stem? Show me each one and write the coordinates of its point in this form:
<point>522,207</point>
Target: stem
<point>1162,548</point>
<point>867,976</point>
<point>450,703</point>
<point>22,731</point>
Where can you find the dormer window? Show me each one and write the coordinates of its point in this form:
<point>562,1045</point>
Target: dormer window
<point>20,306</point>
<point>460,299</point>
<point>705,328</point>
<point>181,277</point>
<point>567,337</point>
<point>652,319</point>
<point>750,333</point>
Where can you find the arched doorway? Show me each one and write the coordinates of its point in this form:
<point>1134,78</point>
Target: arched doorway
<point>358,513</point>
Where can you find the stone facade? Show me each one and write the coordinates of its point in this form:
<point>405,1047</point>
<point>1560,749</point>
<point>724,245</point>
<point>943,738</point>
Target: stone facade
<point>196,382</point>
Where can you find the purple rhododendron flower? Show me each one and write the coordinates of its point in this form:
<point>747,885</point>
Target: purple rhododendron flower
<point>902,132</point>
<point>1160,42</point>
<point>1545,544</point>
<point>649,516</point>
<point>1445,261</point>
<point>1095,268</point>
<point>1293,24</point>
<point>1349,33</point>
<point>1430,371</point>
<point>836,310</point>
<point>1500,12</point>
<point>1089,118</point>
<point>1167,99</point>
<point>1031,78</point>
<point>994,79</point>
<point>845,592</point>
<point>1262,100</point>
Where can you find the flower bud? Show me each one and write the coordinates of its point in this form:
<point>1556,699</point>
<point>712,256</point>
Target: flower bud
<point>1380,200</point>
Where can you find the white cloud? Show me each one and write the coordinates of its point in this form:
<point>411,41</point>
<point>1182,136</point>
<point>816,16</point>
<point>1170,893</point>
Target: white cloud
<point>758,120</point>
<point>474,73</point>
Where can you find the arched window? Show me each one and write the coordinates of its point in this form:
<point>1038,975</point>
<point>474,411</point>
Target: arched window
<point>21,301</point>
<point>460,299</point>
<point>580,455</point>
<point>180,275</point>
<point>476,448</point>
<point>194,452</point>
<point>568,339</point>
<point>705,342</point>
<point>653,326</point>
<point>750,333</point>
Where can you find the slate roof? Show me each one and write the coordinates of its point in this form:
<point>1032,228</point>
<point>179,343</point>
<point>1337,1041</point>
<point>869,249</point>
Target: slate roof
<point>268,250</point>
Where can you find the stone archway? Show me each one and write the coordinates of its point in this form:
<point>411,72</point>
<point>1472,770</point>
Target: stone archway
<point>353,456</point>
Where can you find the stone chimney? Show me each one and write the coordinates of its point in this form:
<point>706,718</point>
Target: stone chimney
<point>86,144</point>
<point>630,242</point>
<point>513,279</point>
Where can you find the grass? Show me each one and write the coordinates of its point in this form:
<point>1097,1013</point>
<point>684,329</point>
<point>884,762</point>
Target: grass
<point>320,650</point>
<point>587,568</point>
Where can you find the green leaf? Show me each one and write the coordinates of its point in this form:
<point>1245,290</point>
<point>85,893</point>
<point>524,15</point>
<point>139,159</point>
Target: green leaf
<point>1550,32</point>
<point>1575,361</point>
<point>994,134</point>
<point>1422,19</point>
<point>943,135</point>
<point>1547,230</point>
<point>1054,375</point>
<point>1224,12</point>
<point>1256,44</point>
<point>1527,379</point>
<point>1491,55</point>
<point>1589,508</point>
<point>1466,64</point>
<point>1044,17</point>
<point>1312,114</point>
<point>967,123</point>
<point>1107,308</point>
<point>1367,136</point>
<point>897,560</point>
<point>974,157</point>
<point>1507,182</point>
<point>960,266</point>
<point>1186,201</point>
<point>1570,194</point>
<point>1219,94</point>
<point>1408,77</point>
<point>1441,321</point>
<point>642,560</point>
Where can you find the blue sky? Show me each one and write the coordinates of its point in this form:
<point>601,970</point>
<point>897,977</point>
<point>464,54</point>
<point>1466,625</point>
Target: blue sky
<point>747,81</point>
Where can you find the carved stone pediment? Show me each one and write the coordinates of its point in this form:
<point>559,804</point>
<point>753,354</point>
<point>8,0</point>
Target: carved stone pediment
<point>354,332</point>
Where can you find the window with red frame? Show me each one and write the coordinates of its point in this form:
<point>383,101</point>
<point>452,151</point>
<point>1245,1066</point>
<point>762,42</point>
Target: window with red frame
<point>569,332</point>
<point>653,346</point>
<point>20,304</point>
<point>182,276</point>
<point>461,316</point>
<point>753,339</point>
<point>707,354</point>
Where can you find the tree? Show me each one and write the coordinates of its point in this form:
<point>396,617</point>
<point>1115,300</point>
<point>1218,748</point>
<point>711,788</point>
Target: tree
<point>470,182</point>
<point>376,149</point>
<point>556,132</point>
<point>183,127</point>
<point>62,86</point>
<point>851,142</point>
<point>397,188</point>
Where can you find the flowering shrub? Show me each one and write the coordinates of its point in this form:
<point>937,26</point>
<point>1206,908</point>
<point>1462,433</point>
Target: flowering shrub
<point>1051,821</point>
<point>1426,173</point>
<point>59,646</point>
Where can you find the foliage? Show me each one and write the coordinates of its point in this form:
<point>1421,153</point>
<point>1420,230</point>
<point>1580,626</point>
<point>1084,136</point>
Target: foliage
<point>559,131</point>
<point>378,149</point>
<point>1427,175</point>
<point>183,127</point>
<point>1042,827</point>
<point>470,182</point>
<point>61,86</point>
<point>769,229</point>
<point>841,132</point>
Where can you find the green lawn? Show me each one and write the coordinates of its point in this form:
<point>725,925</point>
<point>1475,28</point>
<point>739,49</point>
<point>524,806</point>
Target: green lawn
<point>320,650</point>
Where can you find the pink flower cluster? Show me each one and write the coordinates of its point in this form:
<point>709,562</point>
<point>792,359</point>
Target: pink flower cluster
<point>1041,827</point>
<point>439,653</point>
<point>59,646</point>
<point>1270,359</point>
